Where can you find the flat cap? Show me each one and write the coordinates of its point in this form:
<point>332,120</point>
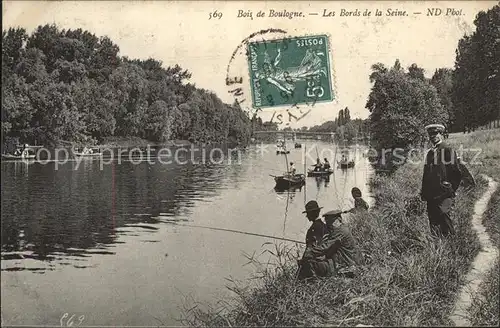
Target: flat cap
<point>332,214</point>
<point>434,128</point>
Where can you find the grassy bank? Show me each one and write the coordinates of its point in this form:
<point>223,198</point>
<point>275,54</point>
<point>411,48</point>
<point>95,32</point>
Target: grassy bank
<point>408,278</point>
<point>484,309</point>
<point>485,305</point>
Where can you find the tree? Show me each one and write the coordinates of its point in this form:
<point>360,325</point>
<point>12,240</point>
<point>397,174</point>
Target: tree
<point>347,115</point>
<point>400,107</point>
<point>341,120</point>
<point>476,78</point>
<point>72,85</point>
<point>13,41</point>
<point>442,80</point>
<point>416,72</point>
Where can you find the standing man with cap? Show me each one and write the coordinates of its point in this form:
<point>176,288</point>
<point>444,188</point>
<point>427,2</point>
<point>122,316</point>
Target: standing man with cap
<point>440,181</point>
<point>336,254</point>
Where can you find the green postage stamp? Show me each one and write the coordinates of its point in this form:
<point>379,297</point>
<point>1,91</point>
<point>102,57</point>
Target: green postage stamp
<point>290,71</point>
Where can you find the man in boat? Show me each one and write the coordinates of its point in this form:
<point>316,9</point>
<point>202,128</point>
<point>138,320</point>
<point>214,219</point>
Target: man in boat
<point>291,170</point>
<point>22,151</point>
<point>318,165</point>
<point>359,203</point>
<point>440,181</point>
<point>336,254</point>
<point>326,165</point>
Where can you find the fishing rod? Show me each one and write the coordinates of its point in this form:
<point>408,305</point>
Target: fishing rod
<point>305,168</point>
<point>241,232</point>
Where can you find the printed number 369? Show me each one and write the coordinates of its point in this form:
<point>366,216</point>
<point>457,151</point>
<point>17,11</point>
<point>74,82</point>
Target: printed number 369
<point>70,322</point>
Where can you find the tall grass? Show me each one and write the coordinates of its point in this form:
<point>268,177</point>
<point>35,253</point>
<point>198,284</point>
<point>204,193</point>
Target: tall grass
<point>485,305</point>
<point>408,278</point>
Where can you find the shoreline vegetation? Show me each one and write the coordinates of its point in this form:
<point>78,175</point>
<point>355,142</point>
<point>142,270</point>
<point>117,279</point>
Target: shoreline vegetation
<point>70,85</point>
<point>73,86</point>
<point>409,278</point>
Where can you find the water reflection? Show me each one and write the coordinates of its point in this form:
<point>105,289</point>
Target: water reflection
<point>82,228</point>
<point>65,215</point>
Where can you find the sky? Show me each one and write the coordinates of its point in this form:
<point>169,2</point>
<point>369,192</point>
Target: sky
<point>180,32</point>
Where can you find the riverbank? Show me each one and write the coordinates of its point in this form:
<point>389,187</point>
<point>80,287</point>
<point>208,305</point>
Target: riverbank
<point>485,304</point>
<point>409,278</point>
<point>129,142</point>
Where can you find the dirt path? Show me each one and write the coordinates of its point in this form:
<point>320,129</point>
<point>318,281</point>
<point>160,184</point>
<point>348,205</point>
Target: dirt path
<point>482,263</point>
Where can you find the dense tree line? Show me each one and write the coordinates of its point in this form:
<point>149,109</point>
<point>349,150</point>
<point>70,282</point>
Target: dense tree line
<point>72,85</point>
<point>343,126</point>
<point>475,92</point>
<point>402,102</point>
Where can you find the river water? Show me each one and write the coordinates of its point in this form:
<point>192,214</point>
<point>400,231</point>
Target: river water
<point>101,243</point>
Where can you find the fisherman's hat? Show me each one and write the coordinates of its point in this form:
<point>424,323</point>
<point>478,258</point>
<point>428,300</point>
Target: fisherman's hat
<point>312,205</point>
<point>435,128</point>
<point>332,215</point>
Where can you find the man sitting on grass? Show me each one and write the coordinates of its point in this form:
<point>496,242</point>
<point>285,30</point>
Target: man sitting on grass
<point>337,254</point>
<point>359,203</point>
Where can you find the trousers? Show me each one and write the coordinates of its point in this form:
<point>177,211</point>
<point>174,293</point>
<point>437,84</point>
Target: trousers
<point>439,217</point>
<point>316,268</point>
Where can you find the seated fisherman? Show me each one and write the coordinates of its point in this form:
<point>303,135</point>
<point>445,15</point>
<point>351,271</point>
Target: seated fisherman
<point>326,165</point>
<point>318,229</point>
<point>336,254</point>
<point>359,203</point>
<point>292,169</point>
<point>318,166</point>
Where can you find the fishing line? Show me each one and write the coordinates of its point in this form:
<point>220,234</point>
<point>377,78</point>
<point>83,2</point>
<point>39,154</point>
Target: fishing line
<point>240,232</point>
<point>286,210</point>
<point>334,179</point>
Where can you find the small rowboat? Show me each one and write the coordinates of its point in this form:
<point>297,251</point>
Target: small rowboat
<point>87,154</point>
<point>322,173</point>
<point>288,181</point>
<point>282,151</point>
<point>17,157</point>
<point>346,164</point>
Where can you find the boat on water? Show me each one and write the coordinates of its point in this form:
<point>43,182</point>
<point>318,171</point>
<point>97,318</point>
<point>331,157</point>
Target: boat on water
<point>346,164</point>
<point>297,145</point>
<point>88,152</point>
<point>320,173</point>
<point>87,155</point>
<point>18,157</point>
<point>282,151</point>
<point>22,152</point>
<point>289,181</point>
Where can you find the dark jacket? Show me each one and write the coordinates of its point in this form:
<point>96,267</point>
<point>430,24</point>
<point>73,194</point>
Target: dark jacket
<point>339,246</point>
<point>441,165</point>
<point>316,232</point>
<point>360,204</point>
